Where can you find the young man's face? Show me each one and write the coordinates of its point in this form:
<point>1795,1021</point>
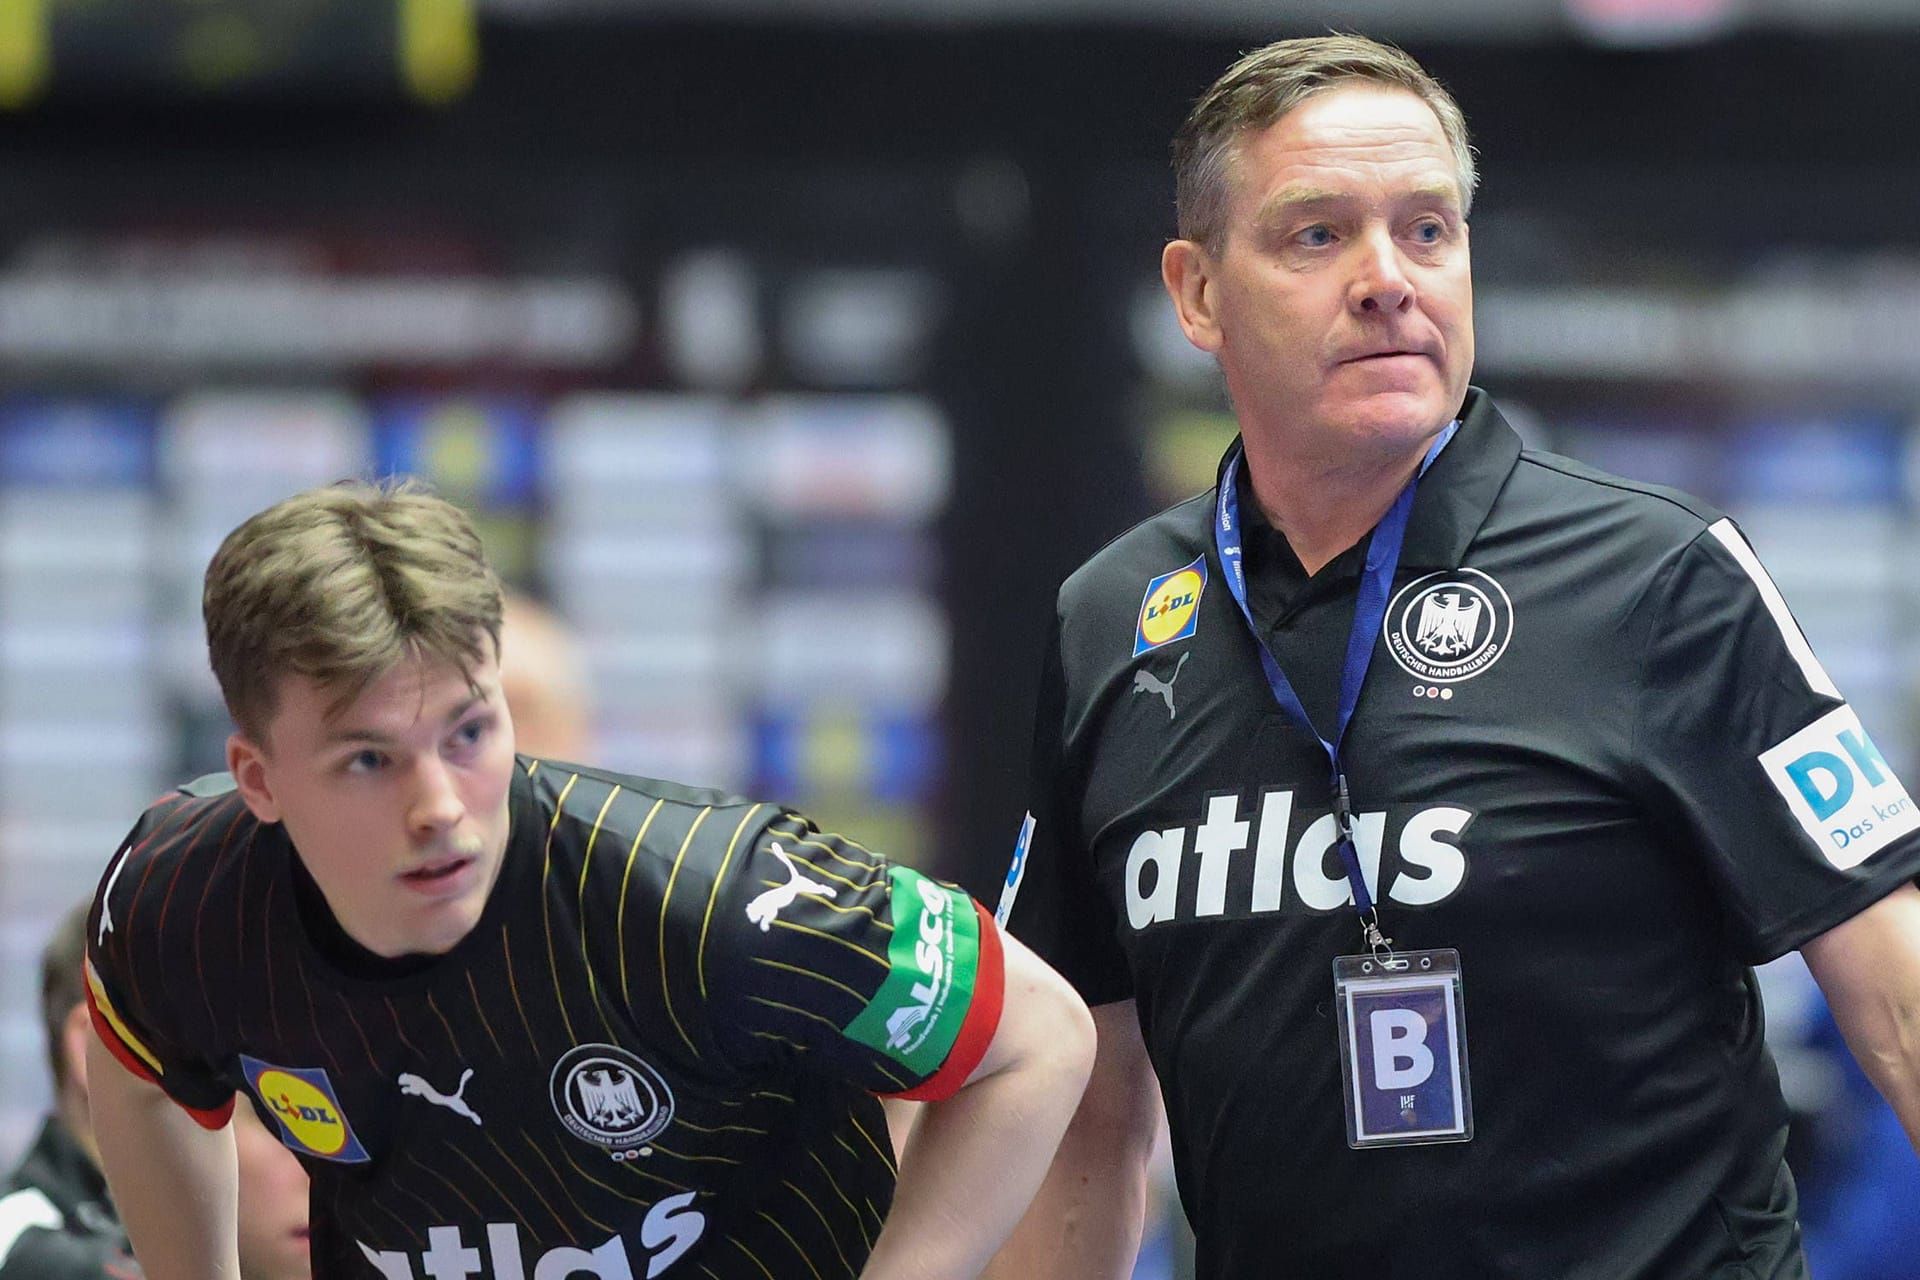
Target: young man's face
<point>397,802</point>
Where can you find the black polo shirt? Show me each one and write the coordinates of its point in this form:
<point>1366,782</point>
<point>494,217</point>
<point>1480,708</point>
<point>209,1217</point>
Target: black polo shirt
<point>1593,753</point>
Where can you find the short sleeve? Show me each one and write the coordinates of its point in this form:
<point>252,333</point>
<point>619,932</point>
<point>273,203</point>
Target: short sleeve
<point>1753,756</point>
<point>1051,900</point>
<point>840,963</point>
<point>133,1018</point>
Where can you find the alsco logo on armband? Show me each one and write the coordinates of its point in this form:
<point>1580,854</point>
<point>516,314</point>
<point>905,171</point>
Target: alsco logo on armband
<point>302,1101</point>
<point>915,1016</point>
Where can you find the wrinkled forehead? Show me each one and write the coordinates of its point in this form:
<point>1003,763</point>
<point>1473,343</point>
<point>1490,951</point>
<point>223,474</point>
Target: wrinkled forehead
<point>1348,132</point>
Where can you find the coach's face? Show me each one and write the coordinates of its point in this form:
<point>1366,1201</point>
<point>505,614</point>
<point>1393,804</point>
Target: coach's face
<point>1339,299</point>
<point>397,802</point>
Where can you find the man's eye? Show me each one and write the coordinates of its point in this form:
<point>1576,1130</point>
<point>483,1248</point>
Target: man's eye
<point>365,761</point>
<point>1316,237</point>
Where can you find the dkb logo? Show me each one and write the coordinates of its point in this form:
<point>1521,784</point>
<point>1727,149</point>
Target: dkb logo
<point>1838,785</point>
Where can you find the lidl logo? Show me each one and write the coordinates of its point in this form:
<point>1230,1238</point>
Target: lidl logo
<point>1171,609</point>
<point>1838,785</point>
<point>301,1100</point>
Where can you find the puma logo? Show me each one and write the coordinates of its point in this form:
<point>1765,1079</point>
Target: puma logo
<point>414,1087</point>
<point>1146,680</point>
<point>106,895</point>
<point>770,904</point>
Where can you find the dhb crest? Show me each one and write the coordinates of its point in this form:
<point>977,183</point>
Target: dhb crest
<point>607,1096</point>
<point>1449,626</point>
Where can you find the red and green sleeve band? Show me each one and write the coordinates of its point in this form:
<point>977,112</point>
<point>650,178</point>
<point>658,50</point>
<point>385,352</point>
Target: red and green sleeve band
<point>983,1019</point>
<point>940,1000</point>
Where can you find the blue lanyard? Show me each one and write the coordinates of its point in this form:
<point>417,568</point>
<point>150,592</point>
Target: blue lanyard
<point>1383,558</point>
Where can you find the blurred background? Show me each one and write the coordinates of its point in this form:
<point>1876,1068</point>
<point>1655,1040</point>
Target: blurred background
<point>793,350</point>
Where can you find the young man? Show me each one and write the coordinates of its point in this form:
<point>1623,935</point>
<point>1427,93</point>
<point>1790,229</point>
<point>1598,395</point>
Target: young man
<point>1404,740</point>
<point>526,1021</point>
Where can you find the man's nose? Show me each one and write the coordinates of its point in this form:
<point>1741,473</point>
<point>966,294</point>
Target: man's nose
<point>1380,282</point>
<point>436,804</point>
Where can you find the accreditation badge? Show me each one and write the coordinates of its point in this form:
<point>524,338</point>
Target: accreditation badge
<point>1403,1048</point>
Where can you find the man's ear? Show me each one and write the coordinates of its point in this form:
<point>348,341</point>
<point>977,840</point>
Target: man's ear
<point>75,1030</point>
<point>247,762</point>
<point>1187,271</point>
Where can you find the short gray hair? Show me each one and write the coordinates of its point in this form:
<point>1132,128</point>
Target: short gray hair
<point>1265,85</point>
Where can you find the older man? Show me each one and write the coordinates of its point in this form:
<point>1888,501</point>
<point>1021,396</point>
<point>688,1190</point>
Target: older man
<point>1413,806</point>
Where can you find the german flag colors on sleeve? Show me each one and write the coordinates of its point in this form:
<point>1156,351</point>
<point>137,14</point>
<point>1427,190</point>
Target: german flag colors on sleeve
<point>133,1054</point>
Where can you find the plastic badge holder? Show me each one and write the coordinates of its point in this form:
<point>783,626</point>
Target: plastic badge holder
<point>1403,1048</point>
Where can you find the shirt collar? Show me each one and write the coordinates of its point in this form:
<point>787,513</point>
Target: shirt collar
<point>1458,490</point>
<point>1450,505</point>
<point>1270,554</point>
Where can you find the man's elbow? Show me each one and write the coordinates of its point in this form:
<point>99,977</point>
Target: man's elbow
<point>1124,1127</point>
<point>1060,1034</point>
<point>1078,1042</point>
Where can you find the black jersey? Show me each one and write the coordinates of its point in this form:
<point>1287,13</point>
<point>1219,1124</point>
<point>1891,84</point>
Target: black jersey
<point>1593,753</point>
<point>656,1053</point>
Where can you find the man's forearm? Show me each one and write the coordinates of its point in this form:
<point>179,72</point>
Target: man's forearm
<point>173,1182</point>
<point>1869,968</point>
<point>971,1169</point>
<point>1891,1059</point>
<point>1086,1221</point>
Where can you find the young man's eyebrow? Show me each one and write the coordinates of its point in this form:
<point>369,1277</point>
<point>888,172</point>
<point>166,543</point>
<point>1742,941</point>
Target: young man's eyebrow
<point>352,733</point>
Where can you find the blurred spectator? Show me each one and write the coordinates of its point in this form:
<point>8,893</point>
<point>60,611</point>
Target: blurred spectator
<point>56,1222</point>
<point>274,1242</point>
<point>542,677</point>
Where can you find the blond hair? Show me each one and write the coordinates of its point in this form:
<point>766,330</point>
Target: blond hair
<point>340,585</point>
<point>1265,85</point>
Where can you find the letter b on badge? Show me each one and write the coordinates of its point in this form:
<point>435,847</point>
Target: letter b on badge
<point>1401,1059</point>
